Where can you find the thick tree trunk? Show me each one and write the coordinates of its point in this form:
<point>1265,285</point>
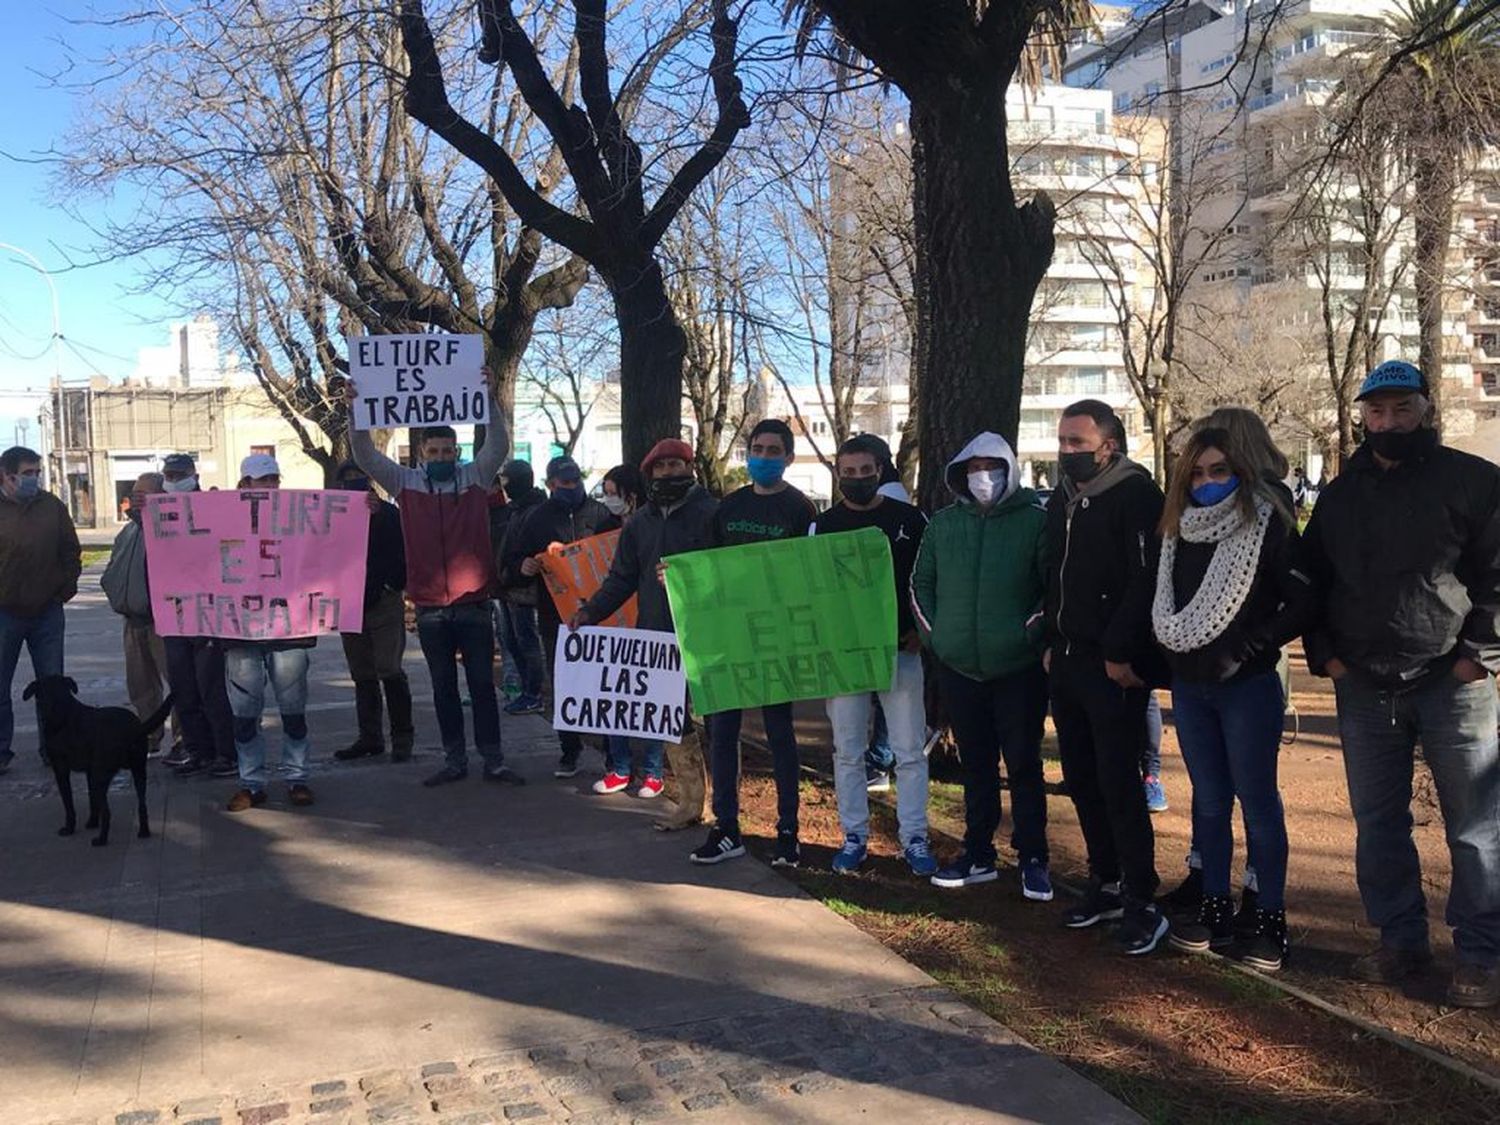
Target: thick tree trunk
<point>652,351</point>
<point>979,260</point>
<point>1433,179</point>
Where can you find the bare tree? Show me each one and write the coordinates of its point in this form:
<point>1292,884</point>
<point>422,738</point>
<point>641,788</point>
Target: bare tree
<point>610,176</point>
<point>284,173</point>
<point>567,368</point>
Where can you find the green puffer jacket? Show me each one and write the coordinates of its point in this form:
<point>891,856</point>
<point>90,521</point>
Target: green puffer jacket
<point>980,575</point>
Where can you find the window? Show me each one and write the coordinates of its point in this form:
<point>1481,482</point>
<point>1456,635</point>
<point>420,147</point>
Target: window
<point>263,450</point>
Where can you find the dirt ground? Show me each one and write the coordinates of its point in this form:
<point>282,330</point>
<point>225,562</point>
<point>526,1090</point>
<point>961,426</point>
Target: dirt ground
<point>1180,1038</point>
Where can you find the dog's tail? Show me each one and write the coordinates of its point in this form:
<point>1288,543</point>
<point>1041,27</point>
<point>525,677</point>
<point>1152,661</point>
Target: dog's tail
<point>157,719</point>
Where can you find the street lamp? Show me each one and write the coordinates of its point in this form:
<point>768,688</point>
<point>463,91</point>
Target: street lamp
<point>58,444</point>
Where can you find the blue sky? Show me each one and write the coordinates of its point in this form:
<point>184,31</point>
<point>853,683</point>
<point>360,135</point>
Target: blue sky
<point>96,311</point>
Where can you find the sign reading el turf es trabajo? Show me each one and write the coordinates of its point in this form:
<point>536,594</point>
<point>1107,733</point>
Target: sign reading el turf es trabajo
<point>256,564</point>
<point>427,379</point>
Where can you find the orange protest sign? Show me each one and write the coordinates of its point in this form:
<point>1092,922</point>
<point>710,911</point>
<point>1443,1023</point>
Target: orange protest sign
<point>574,571</point>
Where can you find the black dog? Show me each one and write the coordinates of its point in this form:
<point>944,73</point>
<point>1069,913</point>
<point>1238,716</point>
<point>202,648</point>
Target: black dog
<point>97,741</point>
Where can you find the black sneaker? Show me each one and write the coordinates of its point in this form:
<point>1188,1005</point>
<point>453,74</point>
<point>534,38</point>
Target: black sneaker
<point>788,853</point>
<point>1246,919</point>
<point>719,846</point>
<point>1213,928</point>
<point>224,769</point>
<point>1267,945</point>
<point>1184,900</point>
<point>358,750</point>
<point>567,766</point>
<point>1144,927</point>
<point>444,776</point>
<point>503,775</point>
<point>191,768</point>
<point>1100,903</point>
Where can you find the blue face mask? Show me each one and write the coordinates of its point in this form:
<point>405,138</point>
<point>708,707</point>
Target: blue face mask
<point>356,484</point>
<point>1209,494</point>
<point>765,471</point>
<point>441,472</point>
<point>569,497</point>
<point>28,487</point>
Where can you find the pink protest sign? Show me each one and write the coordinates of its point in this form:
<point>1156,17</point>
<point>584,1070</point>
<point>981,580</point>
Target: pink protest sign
<point>256,564</point>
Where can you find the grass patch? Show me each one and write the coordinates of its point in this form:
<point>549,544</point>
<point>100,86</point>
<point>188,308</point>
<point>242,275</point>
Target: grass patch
<point>93,556</point>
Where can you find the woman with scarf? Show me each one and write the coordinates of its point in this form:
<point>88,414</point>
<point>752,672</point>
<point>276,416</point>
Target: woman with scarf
<point>1229,594</point>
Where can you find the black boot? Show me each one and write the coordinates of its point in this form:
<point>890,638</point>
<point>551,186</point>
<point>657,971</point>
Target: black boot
<point>367,711</point>
<point>1247,918</point>
<point>398,704</point>
<point>1267,946</point>
<point>1213,928</point>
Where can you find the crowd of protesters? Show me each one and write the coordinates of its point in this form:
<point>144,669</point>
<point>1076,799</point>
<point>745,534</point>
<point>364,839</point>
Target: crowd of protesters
<point>1080,606</point>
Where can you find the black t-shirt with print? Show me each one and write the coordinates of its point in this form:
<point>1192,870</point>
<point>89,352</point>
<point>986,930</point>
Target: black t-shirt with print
<point>746,516</point>
<point>903,525</point>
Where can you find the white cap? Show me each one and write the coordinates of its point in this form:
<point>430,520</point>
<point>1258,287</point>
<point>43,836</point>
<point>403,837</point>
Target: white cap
<point>259,465</point>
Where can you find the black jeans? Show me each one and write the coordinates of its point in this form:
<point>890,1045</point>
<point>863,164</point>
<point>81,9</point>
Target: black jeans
<point>724,754</point>
<point>991,718</point>
<point>1100,726</point>
<point>195,673</point>
<point>548,622</point>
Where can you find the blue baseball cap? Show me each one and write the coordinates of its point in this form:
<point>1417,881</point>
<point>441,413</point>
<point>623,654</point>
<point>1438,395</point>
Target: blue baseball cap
<point>1393,375</point>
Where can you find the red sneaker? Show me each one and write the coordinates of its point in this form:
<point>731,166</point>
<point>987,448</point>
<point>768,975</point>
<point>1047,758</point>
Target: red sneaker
<point>611,783</point>
<point>650,788</point>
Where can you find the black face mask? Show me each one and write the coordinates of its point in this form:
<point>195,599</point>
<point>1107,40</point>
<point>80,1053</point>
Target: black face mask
<point>859,490</point>
<point>1080,468</point>
<point>669,490</point>
<point>1396,446</point>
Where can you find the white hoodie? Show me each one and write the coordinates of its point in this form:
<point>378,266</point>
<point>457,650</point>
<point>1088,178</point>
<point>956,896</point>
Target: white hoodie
<point>984,444</point>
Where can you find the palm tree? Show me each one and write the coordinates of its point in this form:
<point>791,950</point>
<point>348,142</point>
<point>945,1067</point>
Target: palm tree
<point>979,254</point>
<point>1441,83</point>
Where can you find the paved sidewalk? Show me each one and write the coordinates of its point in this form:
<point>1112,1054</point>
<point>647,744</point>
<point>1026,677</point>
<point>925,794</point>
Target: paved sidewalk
<point>470,954</point>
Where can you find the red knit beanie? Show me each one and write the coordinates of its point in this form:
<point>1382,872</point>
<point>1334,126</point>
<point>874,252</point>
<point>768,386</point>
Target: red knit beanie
<point>667,447</point>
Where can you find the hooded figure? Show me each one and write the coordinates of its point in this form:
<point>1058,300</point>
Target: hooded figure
<point>981,575</point>
<point>977,592</point>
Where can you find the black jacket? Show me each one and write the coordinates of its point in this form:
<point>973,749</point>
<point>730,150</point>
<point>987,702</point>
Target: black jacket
<point>1406,565</point>
<point>542,525</point>
<point>651,535</point>
<point>1102,549</point>
<point>385,558</point>
<point>1277,609</point>
<point>502,519</point>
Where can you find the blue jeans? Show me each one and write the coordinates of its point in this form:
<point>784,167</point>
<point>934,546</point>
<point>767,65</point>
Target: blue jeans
<point>906,718</point>
<point>1455,723</point>
<point>247,669</point>
<point>1151,751</point>
<point>521,646</point>
<point>1230,736</point>
<point>43,637</point>
<point>446,632</point>
<point>618,753</point>
<point>724,755</point>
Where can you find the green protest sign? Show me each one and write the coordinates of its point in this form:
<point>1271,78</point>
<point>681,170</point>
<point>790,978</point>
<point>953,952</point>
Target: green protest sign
<point>793,619</point>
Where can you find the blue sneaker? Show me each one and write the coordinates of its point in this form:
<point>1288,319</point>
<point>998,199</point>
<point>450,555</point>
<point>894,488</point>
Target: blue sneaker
<point>919,857</point>
<point>524,705</point>
<point>1156,796</point>
<point>966,872</point>
<point>847,859</point>
<point>1036,882</point>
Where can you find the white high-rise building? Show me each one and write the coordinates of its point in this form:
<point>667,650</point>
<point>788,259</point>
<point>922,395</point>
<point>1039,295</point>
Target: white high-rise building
<point>1256,87</point>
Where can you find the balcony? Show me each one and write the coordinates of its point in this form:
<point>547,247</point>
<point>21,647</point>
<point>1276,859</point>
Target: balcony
<point>1308,93</point>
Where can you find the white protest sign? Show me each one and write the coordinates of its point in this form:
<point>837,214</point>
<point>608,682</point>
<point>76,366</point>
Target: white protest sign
<point>619,681</point>
<point>428,379</point>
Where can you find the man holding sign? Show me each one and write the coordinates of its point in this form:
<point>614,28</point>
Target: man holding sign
<point>248,666</point>
<point>450,572</point>
<point>766,510</point>
<point>566,516</point>
<point>678,518</point>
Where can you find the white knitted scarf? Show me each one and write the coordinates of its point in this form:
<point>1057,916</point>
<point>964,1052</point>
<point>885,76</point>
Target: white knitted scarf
<point>1225,586</point>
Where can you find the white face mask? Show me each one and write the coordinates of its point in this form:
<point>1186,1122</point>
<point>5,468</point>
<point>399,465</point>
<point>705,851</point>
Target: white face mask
<point>987,484</point>
<point>186,484</point>
<point>615,504</point>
